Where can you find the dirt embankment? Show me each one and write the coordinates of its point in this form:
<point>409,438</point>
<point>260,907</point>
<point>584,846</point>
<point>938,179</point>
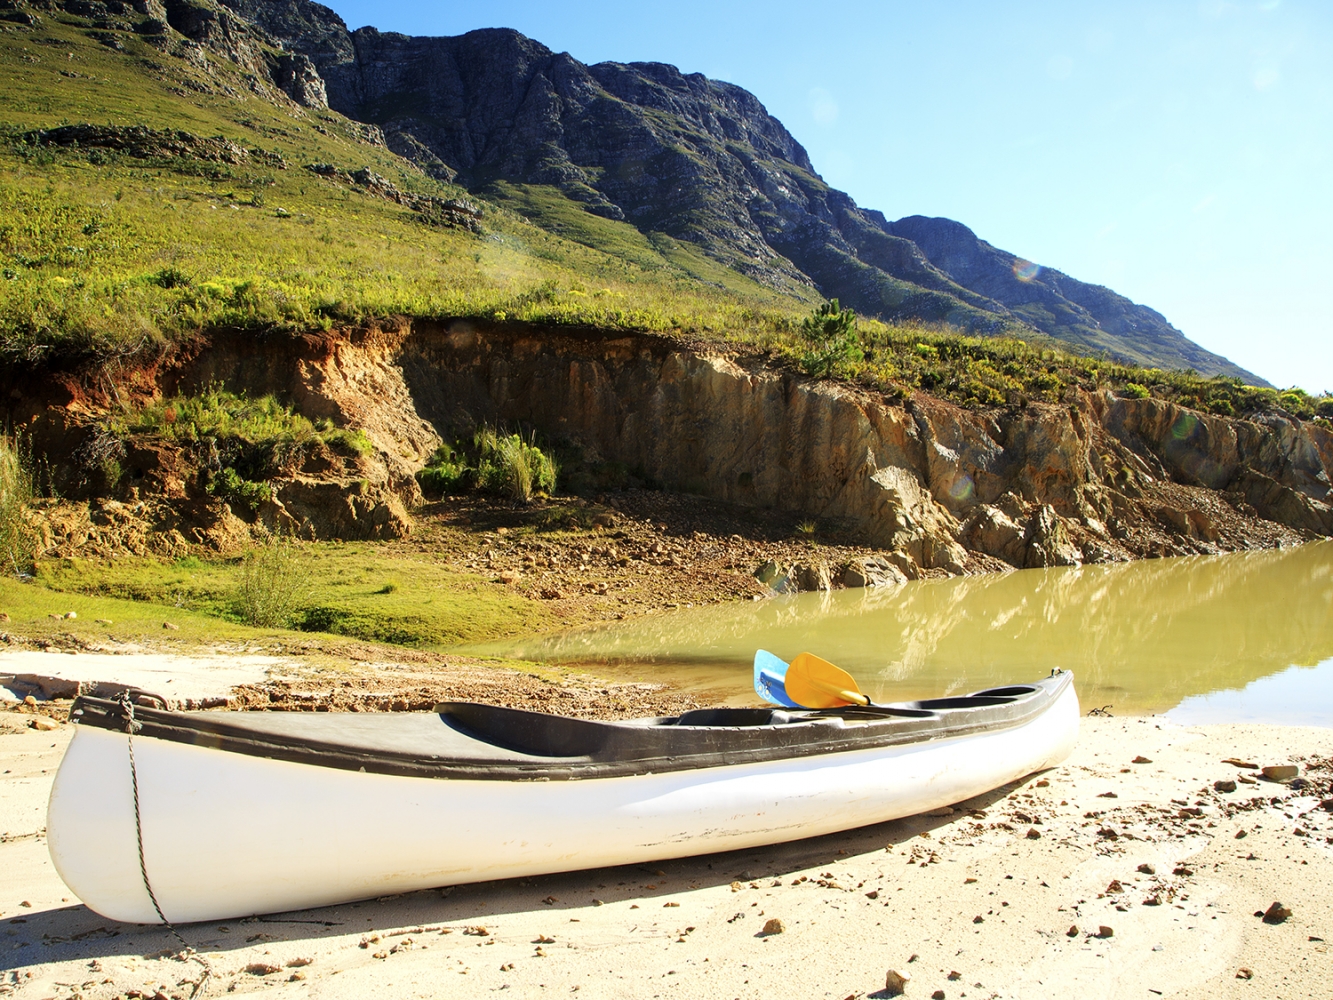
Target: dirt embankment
<point>931,487</point>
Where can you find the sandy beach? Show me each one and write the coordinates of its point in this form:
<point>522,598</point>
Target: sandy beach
<point>1122,873</point>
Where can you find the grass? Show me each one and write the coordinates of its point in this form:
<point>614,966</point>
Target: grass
<point>362,591</point>
<point>18,539</point>
<point>94,259</point>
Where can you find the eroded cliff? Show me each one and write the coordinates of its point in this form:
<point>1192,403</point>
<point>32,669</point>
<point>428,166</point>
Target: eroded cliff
<point>1095,478</point>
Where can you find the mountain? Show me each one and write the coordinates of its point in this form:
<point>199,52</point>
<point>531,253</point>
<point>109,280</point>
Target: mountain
<point>701,161</point>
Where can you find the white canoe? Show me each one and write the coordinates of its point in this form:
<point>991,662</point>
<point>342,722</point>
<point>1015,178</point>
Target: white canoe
<point>253,812</point>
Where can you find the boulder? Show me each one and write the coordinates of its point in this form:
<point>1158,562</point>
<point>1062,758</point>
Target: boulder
<point>1048,543</point>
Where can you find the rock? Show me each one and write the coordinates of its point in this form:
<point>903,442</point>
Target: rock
<point>30,701</point>
<point>71,614</point>
<point>1146,869</point>
<point>1073,931</point>
<point>262,969</point>
<point>811,578</point>
<point>954,976</point>
<point>1224,786</point>
<point>1141,760</point>
<point>1115,886</point>
<point>1244,973</point>
<point>1237,762</point>
<point>991,531</point>
<point>1105,932</point>
<point>895,982</point>
<point>941,811</point>
<point>1326,805</point>
<point>171,627</point>
<point>44,724</point>
<point>1048,543</point>
<point>872,571</point>
<point>1280,772</point>
<point>1276,914</point>
<point>937,995</point>
<point>773,926</point>
<point>1033,833</point>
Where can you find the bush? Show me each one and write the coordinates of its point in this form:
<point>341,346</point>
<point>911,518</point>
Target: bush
<point>18,538</point>
<point>1133,390</point>
<point>446,472</point>
<point>237,491</point>
<point>513,466</point>
<point>273,584</point>
<point>832,338</point>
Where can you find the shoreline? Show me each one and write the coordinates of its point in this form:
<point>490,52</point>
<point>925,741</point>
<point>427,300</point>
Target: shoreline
<point>971,892</point>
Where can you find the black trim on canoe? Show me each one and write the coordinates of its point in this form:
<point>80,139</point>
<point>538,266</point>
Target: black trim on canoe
<point>462,740</point>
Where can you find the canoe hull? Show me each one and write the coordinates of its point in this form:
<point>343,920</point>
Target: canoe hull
<point>228,834</point>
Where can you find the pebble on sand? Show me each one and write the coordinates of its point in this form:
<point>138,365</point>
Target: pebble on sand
<point>1224,786</point>
<point>773,926</point>
<point>1073,931</point>
<point>43,723</point>
<point>1280,772</point>
<point>895,982</point>
<point>1243,973</point>
<point>1140,759</point>
<point>937,995</point>
<point>1276,913</point>
<point>1105,932</point>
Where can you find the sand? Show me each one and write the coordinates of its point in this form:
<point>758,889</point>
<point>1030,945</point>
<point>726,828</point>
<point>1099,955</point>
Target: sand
<point>969,904</point>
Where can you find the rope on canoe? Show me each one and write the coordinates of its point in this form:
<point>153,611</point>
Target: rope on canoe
<point>131,727</point>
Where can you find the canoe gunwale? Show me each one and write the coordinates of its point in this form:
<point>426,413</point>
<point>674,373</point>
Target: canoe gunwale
<point>813,734</point>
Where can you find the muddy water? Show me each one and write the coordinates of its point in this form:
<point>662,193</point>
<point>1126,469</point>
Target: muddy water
<point>1215,638</point>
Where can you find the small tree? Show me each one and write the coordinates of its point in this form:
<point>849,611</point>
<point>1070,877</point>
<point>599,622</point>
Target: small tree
<point>832,338</point>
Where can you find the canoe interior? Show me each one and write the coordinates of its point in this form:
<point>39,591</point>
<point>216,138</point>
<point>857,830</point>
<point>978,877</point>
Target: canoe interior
<point>464,740</point>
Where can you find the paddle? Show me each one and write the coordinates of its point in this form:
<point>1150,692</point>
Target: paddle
<point>769,671</point>
<point>816,683</point>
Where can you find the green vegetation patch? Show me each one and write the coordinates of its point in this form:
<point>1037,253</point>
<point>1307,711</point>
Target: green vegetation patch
<point>358,590</point>
<point>510,465</point>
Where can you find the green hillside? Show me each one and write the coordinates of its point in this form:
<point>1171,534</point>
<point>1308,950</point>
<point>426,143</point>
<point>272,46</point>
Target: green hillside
<point>149,194</point>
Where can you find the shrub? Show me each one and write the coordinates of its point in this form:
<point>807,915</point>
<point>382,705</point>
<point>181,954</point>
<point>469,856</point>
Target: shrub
<point>446,472</point>
<point>231,487</point>
<point>513,466</point>
<point>273,584</point>
<point>18,538</point>
<point>1133,390</point>
<point>832,338</point>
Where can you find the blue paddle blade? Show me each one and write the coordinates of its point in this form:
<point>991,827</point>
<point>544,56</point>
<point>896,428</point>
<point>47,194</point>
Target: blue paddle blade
<point>769,672</point>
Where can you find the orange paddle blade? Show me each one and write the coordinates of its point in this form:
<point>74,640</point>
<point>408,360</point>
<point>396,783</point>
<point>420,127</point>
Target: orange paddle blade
<point>816,683</point>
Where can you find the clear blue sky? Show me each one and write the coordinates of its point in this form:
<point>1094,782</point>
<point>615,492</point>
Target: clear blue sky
<point>1180,153</point>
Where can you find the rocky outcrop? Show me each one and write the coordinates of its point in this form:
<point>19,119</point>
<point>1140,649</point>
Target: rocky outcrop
<point>938,488</point>
<point>145,143</point>
<point>1044,485</point>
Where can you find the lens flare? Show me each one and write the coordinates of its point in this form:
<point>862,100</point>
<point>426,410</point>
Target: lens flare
<point>1025,270</point>
<point>962,488</point>
<point>1184,426</point>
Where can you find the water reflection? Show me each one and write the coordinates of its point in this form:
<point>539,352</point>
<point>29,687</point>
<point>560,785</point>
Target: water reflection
<point>1141,636</point>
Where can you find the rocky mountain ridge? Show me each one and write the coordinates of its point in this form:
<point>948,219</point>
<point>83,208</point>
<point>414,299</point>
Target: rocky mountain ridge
<point>702,161</point>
